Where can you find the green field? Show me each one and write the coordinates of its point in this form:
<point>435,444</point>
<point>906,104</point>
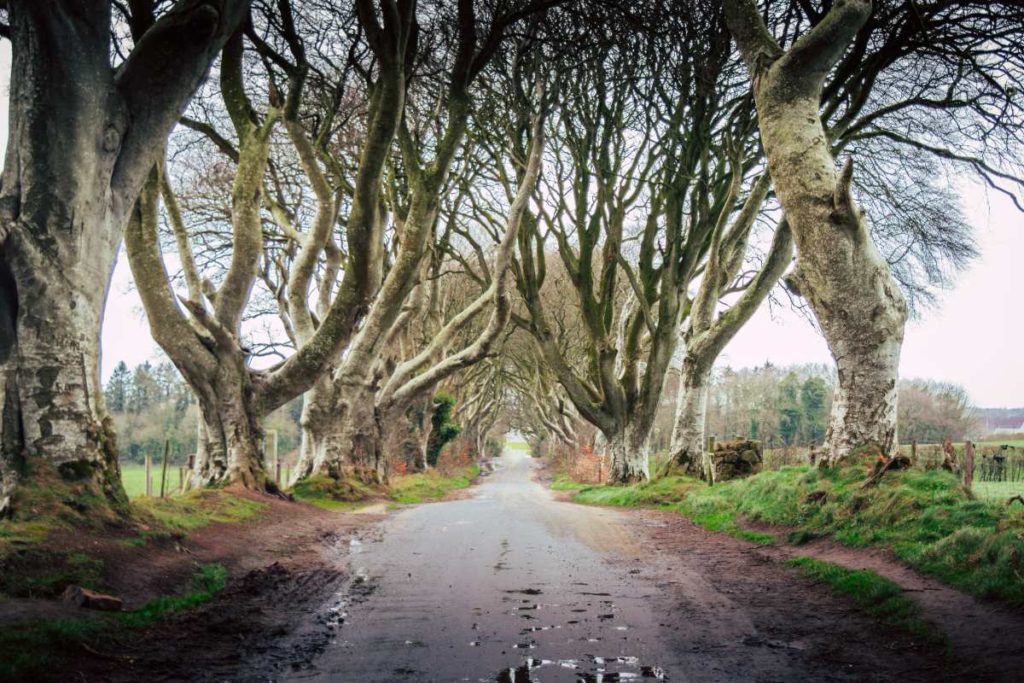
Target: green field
<point>997,490</point>
<point>134,479</point>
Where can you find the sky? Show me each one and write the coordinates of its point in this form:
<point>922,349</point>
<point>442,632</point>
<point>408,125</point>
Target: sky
<point>973,336</point>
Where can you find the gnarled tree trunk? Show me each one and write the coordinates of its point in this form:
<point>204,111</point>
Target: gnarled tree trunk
<point>628,451</point>
<point>82,139</point>
<point>849,286</point>
<point>691,411</point>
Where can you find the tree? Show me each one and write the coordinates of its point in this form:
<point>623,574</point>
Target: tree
<point>117,389</point>
<point>814,404</point>
<point>84,133</point>
<point>916,86</point>
<point>931,412</point>
<point>442,429</point>
<point>850,288</point>
<point>790,412</point>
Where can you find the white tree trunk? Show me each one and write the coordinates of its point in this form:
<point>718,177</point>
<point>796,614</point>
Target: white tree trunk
<point>849,286</point>
<point>629,456</point>
<point>691,409</point>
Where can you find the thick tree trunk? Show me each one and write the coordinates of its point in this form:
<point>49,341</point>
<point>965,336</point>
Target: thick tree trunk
<point>628,449</point>
<point>232,448</point>
<point>316,422</point>
<point>687,445</point>
<point>54,416</point>
<point>839,271</point>
<point>82,137</point>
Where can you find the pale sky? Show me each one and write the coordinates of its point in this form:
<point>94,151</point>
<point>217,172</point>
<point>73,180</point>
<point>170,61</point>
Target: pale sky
<point>973,337</point>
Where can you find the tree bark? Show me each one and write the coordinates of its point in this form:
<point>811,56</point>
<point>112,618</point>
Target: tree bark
<point>848,284</point>
<point>82,139</point>
<point>628,450</point>
<point>691,410</point>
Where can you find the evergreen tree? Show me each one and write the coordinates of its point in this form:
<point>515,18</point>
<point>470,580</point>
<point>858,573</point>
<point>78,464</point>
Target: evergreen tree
<point>118,388</point>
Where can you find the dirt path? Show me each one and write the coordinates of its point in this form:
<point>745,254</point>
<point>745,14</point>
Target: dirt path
<point>512,585</point>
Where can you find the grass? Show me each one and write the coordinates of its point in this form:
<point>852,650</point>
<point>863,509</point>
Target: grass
<point>564,483</point>
<point>1000,491</point>
<point>416,488</point>
<point>925,517</point>
<point>876,595</point>
<point>329,494</point>
<point>28,651</point>
<point>517,445</point>
<point>199,508</point>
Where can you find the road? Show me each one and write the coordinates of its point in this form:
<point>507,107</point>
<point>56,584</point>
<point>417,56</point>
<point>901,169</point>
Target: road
<point>511,585</point>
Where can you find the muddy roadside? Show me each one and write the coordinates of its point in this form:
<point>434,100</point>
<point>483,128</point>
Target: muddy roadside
<point>280,565</point>
<point>984,638</point>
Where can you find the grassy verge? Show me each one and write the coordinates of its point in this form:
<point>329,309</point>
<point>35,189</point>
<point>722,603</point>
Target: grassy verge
<point>30,650</point>
<point>564,483</point>
<point>878,596</point>
<point>199,508</point>
<point>926,518</point>
<point>324,492</point>
<point>422,486</point>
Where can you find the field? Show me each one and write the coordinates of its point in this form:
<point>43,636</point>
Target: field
<point>134,479</point>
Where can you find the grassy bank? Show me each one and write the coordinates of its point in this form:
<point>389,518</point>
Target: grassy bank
<point>349,494</point>
<point>29,651</point>
<point>926,518</point>
<point>431,485</point>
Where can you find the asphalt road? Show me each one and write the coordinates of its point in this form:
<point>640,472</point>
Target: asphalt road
<point>508,585</point>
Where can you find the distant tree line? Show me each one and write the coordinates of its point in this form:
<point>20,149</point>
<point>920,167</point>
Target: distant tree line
<point>788,406</point>
<point>152,405</point>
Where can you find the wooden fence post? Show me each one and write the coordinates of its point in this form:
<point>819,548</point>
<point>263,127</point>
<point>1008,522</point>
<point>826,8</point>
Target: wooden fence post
<point>913,451</point>
<point>181,479</point>
<point>271,452</point>
<point>163,474</point>
<point>968,465</point>
<point>709,463</point>
<point>149,475</point>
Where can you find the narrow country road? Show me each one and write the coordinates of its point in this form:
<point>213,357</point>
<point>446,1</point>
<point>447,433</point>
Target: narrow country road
<point>512,585</point>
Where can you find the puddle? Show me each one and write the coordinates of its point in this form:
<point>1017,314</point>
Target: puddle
<point>589,669</point>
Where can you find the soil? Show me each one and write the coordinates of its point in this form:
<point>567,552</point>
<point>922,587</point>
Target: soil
<point>513,584</point>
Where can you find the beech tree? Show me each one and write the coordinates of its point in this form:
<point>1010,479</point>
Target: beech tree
<point>204,339</point>
<point>943,80</point>
<point>84,134</point>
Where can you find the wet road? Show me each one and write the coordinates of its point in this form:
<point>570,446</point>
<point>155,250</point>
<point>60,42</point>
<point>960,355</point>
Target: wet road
<point>508,585</point>
<point>511,586</point>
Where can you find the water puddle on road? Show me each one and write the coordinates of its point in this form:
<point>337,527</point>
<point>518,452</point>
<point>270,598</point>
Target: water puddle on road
<point>589,669</point>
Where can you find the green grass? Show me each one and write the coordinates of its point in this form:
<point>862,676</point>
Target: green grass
<point>876,595</point>
<point>416,488</point>
<point>517,445</point>
<point>329,494</point>
<point>31,651</point>
<point>925,517</point>
<point>199,508</point>
<point>133,477</point>
<point>999,491</point>
<point>564,483</point>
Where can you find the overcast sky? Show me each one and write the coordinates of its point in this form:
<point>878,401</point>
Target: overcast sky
<point>973,337</point>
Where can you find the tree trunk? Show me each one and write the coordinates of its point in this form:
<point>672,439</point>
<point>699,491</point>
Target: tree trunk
<point>848,284</point>
<point>82,137</point>
<point>232,449</point>
<point>688,429</point>
<point>54,417</point>
<point>628,449</point>
<point>317,420</point>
